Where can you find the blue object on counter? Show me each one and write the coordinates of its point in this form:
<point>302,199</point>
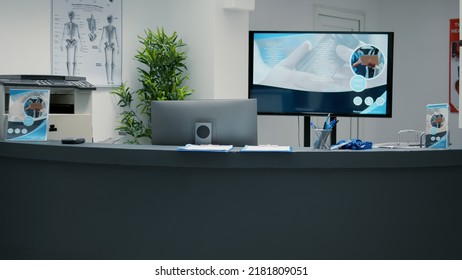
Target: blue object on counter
<point>355,144</point>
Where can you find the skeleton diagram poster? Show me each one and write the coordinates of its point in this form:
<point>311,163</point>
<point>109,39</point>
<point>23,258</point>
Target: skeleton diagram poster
<point>86,40</point>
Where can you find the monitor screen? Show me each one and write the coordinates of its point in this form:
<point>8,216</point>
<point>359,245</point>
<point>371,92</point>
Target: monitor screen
<point>204,121</point>
<point>310,73</point>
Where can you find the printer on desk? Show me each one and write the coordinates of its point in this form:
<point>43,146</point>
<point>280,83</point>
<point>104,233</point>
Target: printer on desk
<point>70,108</point>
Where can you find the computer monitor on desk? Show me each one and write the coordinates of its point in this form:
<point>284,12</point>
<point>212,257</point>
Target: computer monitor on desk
<point>204,121</point>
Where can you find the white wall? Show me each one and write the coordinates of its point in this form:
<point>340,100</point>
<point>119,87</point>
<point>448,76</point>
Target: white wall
<point>26,42</point>
<point>421,70</point>
<point>231,53</point>
<point>193,21</point>
<point>217,46</point>
<point>298,14</point>
<point>421,59</point>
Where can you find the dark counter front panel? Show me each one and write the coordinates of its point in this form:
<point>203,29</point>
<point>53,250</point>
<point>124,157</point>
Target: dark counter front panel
<point>51,209</point>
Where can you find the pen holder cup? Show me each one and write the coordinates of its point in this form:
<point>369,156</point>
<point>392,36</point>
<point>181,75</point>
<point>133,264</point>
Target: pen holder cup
<point>322,139</point>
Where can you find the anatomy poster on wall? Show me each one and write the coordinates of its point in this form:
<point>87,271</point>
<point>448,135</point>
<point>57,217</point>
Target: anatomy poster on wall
<point>86,40</point>
<point>454,68</point>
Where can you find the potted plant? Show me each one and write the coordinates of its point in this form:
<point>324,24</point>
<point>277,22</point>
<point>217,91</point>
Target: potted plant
<point>162,73</point>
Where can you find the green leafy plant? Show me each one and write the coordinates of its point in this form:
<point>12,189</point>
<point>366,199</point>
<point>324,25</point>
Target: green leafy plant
<point>162,75</point>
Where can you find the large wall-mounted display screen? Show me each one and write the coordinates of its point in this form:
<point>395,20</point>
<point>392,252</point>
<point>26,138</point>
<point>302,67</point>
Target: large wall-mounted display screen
<point>310,73</point>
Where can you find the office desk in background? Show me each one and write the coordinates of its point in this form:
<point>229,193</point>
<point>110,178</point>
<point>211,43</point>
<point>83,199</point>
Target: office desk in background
<point>99,201</point>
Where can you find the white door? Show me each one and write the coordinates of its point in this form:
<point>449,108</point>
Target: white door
<point>335,19</point>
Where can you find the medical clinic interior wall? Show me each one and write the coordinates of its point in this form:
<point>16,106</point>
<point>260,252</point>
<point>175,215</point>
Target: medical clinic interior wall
<point>216,38</point>
<point>26,47</point>
<point>421,53</point>
<point>420,62</point>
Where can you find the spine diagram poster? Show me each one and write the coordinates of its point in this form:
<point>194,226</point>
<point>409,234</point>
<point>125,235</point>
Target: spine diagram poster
<point>86,40</point>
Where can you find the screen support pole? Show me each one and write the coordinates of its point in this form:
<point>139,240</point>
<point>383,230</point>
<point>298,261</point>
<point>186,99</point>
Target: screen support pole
<point>306,131</point>
<point>333,135</point>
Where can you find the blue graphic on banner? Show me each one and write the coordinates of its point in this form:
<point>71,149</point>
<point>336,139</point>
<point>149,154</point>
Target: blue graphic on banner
<point>378,107</point>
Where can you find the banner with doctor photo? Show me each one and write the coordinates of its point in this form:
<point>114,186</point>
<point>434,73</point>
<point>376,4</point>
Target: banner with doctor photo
<point>454,68</point>
<point>87,40</point>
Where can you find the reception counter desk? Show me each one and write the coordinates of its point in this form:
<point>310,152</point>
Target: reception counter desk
<point>100,201</point>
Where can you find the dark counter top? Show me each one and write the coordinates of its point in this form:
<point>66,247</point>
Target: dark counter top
<point>168,156</point>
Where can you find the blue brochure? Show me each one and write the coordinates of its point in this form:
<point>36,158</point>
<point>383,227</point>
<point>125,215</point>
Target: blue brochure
<point>28,115</point>
<point>437,129</point>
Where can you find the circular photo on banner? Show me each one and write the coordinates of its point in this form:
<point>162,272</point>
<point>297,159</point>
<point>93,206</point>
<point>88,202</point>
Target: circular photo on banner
<point>437,121</point>
<point>35,107</point>
<point>367,61</point>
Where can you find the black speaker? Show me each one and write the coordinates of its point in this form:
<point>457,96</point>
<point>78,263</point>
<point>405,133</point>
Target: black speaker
<point>203,133</point>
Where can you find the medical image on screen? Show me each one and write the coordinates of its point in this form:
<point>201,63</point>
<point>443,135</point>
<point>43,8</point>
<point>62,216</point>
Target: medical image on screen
<point>312,72</point>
